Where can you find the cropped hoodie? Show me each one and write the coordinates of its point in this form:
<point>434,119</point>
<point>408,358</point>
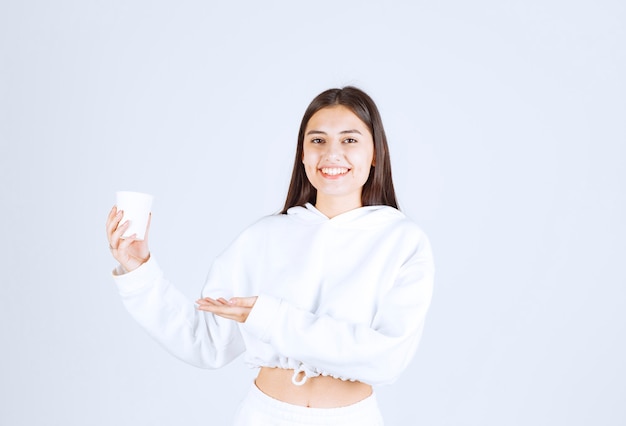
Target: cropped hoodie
<point>344,297</point>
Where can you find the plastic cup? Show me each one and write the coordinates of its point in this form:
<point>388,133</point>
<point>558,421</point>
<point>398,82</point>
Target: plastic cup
<point>136,207</point>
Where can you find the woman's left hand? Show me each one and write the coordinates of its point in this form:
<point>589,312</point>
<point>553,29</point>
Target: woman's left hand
<point>237,308</point>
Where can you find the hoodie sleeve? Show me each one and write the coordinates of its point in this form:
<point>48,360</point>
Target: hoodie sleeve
<point>199,338</point>
<point>373,353</point>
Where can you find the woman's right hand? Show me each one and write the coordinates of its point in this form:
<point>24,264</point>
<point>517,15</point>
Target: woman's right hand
<point>129,252</point>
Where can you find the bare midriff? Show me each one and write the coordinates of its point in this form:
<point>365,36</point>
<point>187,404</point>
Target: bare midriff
<point>316,392</point>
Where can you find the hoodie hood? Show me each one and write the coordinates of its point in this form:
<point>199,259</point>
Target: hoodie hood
<point>361,217</point>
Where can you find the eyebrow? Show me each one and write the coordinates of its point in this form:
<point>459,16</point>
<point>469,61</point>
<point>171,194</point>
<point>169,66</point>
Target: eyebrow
<point>343,132</point>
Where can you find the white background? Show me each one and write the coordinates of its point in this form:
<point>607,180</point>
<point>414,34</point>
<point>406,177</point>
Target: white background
<point>507,131</point>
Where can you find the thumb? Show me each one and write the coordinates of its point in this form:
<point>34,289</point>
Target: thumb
<point>145,238</point>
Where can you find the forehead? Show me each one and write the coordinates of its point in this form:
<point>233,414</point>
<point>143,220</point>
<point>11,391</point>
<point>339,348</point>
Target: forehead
<point>336,118</point>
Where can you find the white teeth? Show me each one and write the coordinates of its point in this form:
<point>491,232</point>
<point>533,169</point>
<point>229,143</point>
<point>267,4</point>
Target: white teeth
<point>334,171</point>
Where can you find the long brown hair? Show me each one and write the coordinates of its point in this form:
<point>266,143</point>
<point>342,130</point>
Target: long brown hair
<point>378,189</point>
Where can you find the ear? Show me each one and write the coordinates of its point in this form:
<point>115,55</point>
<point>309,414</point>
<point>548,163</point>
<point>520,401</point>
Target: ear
<point>374,159</point>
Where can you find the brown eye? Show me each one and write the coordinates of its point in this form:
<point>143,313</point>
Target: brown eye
<point>350,140</point>
<point>317,140</point>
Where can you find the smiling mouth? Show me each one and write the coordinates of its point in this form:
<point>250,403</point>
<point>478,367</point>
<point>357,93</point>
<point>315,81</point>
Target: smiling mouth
<point>334,171</point>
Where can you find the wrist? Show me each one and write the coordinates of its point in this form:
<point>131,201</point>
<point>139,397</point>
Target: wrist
<point>134,263</point>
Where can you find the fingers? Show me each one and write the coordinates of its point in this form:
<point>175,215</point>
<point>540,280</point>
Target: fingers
<point>128,251</point>
<point>112,214</point>
<point>116,237</point>
<point>207,301</point>
<point>236,308</point>
<point>245,302</point>
<point>124,243</point>
<point>112,221</point>
<point>113,228</point>
<point>235,313</point>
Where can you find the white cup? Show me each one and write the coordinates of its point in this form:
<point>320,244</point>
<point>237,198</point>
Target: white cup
<point>136,207</point>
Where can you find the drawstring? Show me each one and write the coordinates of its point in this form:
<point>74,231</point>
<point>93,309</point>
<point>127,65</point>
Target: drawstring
<point>294,378</point>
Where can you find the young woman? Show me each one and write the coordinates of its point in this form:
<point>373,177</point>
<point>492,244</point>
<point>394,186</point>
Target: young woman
<point>326,298</point>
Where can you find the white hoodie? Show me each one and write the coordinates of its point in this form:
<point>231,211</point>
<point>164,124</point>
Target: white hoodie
<point>344,297</point>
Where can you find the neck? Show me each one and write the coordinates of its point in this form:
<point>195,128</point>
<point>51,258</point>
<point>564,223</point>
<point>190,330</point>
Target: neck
<point>334,206</point>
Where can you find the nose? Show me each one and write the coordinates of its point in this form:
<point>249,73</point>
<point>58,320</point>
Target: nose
<point>333,156</point>
<point>333,152</point>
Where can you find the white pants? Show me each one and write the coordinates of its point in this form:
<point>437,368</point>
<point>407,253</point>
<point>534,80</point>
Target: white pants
<point>258,409</point>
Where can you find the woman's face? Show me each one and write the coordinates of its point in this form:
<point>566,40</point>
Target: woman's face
<point>338,152</point>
